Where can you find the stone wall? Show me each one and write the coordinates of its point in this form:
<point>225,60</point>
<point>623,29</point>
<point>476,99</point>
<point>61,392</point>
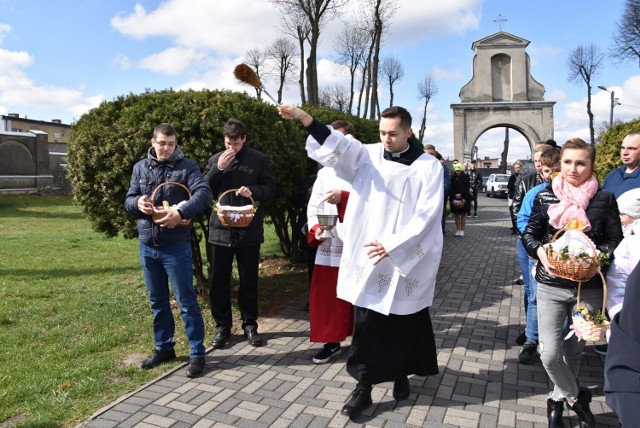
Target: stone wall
<point>27,165</point>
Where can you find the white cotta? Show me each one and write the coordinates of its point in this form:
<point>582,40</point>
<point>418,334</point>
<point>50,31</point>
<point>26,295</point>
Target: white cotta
<point>398,205</point>
<point>330,250</point>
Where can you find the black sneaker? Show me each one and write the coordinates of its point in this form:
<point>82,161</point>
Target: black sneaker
<point>158,357</point>
<point>195,367</point>
<point>528,353</point>
<point>521,339</point>
<point>329,350</point>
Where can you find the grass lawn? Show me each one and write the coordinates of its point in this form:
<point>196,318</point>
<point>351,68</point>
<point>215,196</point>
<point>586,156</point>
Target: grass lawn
<point>74,314</point>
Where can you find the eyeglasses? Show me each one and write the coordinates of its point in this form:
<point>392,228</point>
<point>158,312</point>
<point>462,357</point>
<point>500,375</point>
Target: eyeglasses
<point>165,143</point>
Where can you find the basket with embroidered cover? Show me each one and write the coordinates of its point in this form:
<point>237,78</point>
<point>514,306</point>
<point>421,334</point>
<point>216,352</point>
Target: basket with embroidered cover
<point>160,211</point>
<point>234,216</point>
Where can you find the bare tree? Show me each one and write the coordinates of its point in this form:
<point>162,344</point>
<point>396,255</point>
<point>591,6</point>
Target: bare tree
<point>351,47</point>
<point>256,58</point>
<point>392,71</point>
<point>316,11</point>
<point>626,38</point>
<point>584,64</point>
<point>427,88</point>
<point>335,97</point>
<point>296,24</point>
<point>282,53</point>
<point>381,12</point>
<point>365,87</point>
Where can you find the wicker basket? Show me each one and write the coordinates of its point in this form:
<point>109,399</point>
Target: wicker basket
<point>588,330</point>
<point>160,211</point>
<point>573,268</point>
<point>234,216</point>
<point>458,203</point>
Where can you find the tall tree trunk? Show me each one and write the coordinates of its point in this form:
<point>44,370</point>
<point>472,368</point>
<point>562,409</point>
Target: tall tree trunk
<point>377,39</point>
<point>312,68</point>
<point>351,92</point>
<point>505,149</point>
<point>592,131</point>
<point>367,94</point>
<point>303,99</point>
<point>423,124</point>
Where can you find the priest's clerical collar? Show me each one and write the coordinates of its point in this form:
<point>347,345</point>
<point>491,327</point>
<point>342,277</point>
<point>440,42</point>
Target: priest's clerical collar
<point>399,154</point>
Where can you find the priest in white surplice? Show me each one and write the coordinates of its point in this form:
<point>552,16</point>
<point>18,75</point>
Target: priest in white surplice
<point>392,247</point>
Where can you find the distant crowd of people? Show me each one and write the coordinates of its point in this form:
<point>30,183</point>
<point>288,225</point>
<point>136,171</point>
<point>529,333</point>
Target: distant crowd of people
<point>372,276</point>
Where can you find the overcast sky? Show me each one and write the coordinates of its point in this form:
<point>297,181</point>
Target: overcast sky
<point>60,58</point>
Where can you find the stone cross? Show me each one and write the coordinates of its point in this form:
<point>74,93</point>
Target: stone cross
<point>500,20</point>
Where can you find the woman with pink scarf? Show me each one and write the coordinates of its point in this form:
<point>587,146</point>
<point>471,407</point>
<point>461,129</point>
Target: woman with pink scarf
<point>573,195</point>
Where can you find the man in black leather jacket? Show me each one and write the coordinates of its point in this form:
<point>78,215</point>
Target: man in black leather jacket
<point>249,172</point>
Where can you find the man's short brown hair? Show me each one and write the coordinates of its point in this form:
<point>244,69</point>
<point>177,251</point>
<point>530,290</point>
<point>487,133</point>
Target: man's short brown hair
<point>551,158</point>
<point>234,129</point>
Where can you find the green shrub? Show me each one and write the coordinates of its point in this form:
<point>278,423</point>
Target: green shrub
<point>107,141</point>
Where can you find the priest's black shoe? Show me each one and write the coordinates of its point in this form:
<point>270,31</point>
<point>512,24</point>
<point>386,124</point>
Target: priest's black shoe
<point>158,357</point>
<point>401,389</point>
<point>252,335</point>
<point>360,400</point>
<point>221,338</point>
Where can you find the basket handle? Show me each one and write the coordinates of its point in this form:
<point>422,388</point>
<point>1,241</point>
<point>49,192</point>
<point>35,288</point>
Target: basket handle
<point>604,292</point>
<point>233,190</point>
<point>153,195</point>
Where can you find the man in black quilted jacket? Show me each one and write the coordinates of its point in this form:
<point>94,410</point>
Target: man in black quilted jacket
<point>248,172</point>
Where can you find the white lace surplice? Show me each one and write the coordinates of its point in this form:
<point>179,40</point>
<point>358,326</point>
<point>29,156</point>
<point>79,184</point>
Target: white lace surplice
<point>330,250</point>
<point>398,205</point>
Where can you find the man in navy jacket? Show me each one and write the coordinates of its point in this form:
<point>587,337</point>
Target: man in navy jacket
<point>626,177</point>
<point>165,244</point>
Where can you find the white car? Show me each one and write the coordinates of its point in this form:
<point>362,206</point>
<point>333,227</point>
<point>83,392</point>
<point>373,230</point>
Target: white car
<point>497,185</point>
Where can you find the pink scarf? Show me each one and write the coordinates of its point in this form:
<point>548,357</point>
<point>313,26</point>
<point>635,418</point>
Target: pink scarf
<point>573,202</point>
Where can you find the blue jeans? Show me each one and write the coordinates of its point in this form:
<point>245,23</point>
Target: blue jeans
<point>530,293</point>
<point>524,262</point>
<point>159,265</point>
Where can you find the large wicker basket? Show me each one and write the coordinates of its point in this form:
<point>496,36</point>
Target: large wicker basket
<point>572,268</point>
<point>231,216</point>
<point>160,211</point>
<point>588,330</point>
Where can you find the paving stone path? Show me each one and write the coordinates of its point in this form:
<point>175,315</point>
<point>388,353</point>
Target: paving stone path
<point>477,315</point>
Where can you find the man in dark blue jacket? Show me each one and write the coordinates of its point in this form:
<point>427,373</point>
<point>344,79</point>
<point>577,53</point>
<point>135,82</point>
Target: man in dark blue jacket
<point>626,177</point>
<point>165,242</point>
<point>248,172</point>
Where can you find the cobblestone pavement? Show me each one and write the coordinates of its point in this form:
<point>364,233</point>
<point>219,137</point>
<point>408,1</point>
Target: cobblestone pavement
<point>477,315</point>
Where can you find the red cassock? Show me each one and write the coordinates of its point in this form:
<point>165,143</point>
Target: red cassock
<point>331,319</point>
